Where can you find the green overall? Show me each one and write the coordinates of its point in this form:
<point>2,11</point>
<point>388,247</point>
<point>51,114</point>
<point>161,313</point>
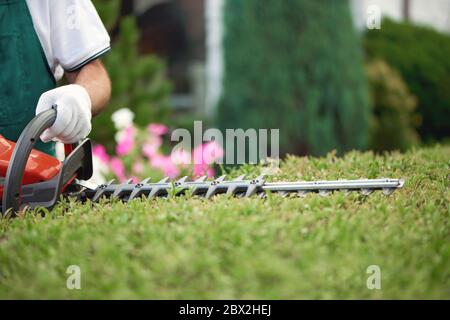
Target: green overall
<point>24,72</point>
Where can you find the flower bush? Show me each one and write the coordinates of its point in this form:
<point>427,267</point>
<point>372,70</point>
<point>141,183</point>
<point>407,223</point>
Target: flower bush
<point>142,153</point>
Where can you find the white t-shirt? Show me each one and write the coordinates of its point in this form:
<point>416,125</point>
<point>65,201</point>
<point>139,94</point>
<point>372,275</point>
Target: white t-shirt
<point>70,31</point>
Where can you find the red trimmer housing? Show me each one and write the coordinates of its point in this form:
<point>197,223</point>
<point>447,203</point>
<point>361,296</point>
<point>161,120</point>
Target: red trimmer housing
<point>40,166</point>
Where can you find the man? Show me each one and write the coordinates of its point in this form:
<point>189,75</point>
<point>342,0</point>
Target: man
<point>40,42</point>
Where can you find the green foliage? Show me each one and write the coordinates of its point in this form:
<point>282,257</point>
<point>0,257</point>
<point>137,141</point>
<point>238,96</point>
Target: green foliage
<point>138,81</point>
<point>231,248</point>
<point>108,10</point>
<point>422,57</point>
<point>297,66</point>
<point>394,121</point>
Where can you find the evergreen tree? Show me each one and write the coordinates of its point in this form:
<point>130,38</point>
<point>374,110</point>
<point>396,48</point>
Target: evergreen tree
<point>295,65</point>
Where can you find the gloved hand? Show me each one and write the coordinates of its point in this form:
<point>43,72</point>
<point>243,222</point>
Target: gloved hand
<point>73,119</point>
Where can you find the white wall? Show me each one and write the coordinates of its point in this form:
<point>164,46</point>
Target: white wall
<point>214,54</point>
<point>432,12</point>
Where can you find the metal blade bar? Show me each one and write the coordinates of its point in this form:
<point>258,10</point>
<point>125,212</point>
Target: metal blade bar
<point>237,187</point>
<point>334,185</point>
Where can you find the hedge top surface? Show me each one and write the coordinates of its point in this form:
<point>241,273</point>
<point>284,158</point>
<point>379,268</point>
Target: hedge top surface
<point>313,247</point>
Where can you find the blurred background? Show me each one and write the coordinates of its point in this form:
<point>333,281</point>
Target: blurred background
<point>311,68</point>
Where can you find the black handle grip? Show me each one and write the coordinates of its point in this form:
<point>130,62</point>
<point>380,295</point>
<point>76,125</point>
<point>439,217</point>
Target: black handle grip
<point>13,181</point>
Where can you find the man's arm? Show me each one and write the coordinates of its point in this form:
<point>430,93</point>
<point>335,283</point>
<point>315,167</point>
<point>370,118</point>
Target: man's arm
<point>94,78</point>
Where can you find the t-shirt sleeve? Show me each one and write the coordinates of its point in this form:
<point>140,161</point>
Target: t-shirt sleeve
<point>78,35</point>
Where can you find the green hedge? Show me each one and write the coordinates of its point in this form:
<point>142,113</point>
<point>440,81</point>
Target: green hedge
<point>295,65</point>
<point>234,248</point>
<point>422,55</point>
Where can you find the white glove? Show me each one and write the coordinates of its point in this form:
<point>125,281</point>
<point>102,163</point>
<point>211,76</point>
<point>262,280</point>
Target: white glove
<point>73,119</point>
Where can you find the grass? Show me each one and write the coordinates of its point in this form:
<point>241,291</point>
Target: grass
<point>314,247</point>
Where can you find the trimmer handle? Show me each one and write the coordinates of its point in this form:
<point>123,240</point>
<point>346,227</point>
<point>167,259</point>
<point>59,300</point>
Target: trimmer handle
<point>80,162</point>
<point>14,175</point>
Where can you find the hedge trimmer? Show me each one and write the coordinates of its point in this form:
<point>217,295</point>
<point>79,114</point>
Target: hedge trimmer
<point>32,179</point>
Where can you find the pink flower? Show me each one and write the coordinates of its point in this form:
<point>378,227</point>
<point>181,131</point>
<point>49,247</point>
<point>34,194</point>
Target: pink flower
<point>157,161</point>
<point>203,169</point>
<point>212,151</point>
<point>135,179</point>
<point>180,156</point>
<point>165,164</point>
<point>150,149</point>
<point>138,167</point>
<point>207,153</point>
<point>126,143</point>
<point>118,168</point>
<point>171,171</point>
<point>100,152</point>
<point>157,129</point>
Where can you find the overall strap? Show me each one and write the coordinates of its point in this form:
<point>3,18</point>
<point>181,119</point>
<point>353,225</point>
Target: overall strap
<point>25,74</point>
